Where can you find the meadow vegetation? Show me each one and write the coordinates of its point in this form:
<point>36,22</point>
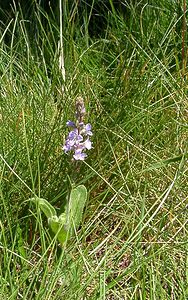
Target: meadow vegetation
<point>132,74</point>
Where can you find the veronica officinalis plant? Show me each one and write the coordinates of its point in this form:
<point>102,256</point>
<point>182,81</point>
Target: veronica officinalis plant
<point>77,142</point>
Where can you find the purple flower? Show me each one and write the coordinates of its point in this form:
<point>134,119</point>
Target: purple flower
<point>86,130</point>
<point>88,127</point>
<point>67,147</point>
<point>70,124</point>
<point>73,141</point>
<point>78,155</point>
<point>75,136</point>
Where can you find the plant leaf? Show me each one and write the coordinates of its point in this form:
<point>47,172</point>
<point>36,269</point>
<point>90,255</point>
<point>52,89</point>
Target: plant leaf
<point>45,206</point>
<point>57,226</point>
<point>77,201</point>
<point>165,162</point>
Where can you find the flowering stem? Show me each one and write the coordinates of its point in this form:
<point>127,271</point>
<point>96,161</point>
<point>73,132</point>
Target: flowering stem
<point>78,138</point>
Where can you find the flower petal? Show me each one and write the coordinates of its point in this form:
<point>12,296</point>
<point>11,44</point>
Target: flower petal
<point>79,156</point>
<point>88,144</point>
<point>70,124</point>
<point>88,127</point>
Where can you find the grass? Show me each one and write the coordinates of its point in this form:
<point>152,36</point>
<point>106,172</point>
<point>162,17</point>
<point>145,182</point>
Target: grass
<point>133,240</point>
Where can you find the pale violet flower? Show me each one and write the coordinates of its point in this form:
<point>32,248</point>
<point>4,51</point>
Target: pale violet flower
<point>86,129</point>
<point>73,140</point>
<point>78,155</point>
<point>70,123</point>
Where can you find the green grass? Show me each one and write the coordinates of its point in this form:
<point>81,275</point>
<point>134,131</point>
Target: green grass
<point>133,240</point>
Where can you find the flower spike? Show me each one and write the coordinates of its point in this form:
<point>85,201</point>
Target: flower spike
<point>78,138</point>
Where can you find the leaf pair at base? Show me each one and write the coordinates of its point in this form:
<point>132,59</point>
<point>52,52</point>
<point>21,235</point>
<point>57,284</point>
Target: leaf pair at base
<point>65,225</point>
